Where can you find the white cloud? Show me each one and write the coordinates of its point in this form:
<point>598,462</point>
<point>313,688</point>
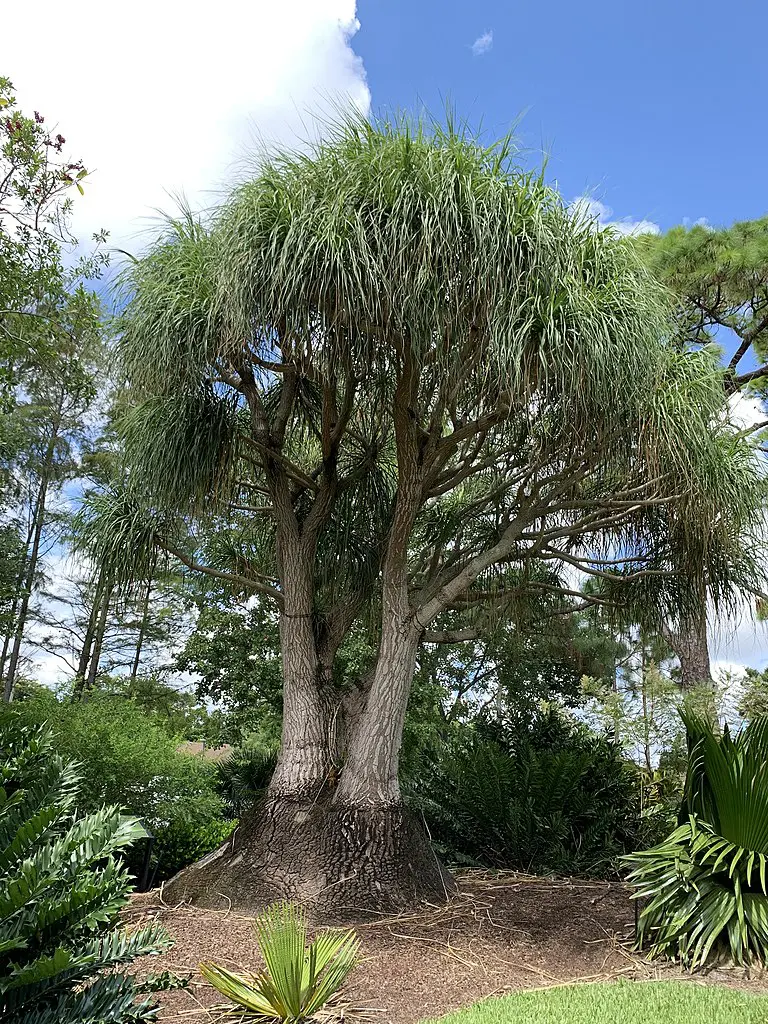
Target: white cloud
<point>700,222</point>
<point>593,209</point>
<point>166,96</point>
<point>747,409</point>
<point>482,44</point>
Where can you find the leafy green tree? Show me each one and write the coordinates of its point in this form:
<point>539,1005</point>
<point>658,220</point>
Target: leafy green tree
<point>387,383</point>
<point>720,279</point>
<point>235,658</point>
<point>753,699</point>
<point>50,342</point>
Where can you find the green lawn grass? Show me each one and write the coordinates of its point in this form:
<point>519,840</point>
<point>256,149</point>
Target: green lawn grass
<point>626,1002</point>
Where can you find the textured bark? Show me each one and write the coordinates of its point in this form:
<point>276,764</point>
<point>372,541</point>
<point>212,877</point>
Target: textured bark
<point>370,775</point>
<point>305,760</point>
<point>690,644</point>
<point>341,862</point>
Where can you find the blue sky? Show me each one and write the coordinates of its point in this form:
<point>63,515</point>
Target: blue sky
<point>658,108</point>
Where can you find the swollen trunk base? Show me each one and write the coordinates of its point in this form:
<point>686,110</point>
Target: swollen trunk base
<point>340,861</point>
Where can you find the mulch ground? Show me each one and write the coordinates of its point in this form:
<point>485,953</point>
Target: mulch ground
<point>500,933</point>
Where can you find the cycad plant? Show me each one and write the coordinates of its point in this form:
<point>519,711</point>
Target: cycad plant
<point>61,889</point>
<point>299,979</point>
<point>548,798</point>
<point>705,885</point>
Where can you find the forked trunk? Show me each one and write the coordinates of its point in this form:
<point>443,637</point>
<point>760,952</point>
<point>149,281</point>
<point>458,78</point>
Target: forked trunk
<point>343,849</point>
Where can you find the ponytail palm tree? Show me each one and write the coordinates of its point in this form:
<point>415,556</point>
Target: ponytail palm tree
<point>397,380</point>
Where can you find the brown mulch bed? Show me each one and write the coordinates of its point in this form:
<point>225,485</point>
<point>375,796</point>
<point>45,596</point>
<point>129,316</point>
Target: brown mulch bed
<point>500,933</point>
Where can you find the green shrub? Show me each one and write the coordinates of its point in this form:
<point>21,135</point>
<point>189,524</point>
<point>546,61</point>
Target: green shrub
<point>184,842</point>
<point>545,796</point>
<point>62,888</point>
<point>299,979</point>
<point>129,759</point>
<point>705,884</point>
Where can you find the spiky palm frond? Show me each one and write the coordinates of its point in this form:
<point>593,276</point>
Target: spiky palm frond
<point>705,885</point>
<point>299,979</point>
<point>244,776</point>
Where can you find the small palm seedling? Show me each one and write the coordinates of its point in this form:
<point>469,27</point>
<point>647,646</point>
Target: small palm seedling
<point>705,885</point>
<point>299,979</point>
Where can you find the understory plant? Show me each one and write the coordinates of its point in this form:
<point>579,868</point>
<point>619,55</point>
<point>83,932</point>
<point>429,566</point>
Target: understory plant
<point>704,888</point>
<point>63,886</point>
<point>299,979</point>
<point>243,777</point>
<point>128,758</point>
<point>542,795</point>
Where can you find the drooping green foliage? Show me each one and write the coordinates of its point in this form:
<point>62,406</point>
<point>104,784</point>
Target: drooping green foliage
<point>62,885</point>
<point>704,887</point>
<point>540,796</point>
<point>300,978</point>
<point>525,326</point>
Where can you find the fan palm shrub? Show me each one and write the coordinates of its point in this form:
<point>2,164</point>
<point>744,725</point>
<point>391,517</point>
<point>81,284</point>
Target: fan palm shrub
<point>243,777</point>
<point>62,885</point>
<point>705,885</point>
<point>299,979</point>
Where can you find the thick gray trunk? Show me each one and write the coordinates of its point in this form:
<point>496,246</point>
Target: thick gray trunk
<point>340,861</point>
<point>370,774</point>
<point>304,763</point>
<point>690,644</point>
<point>341,850</point>
<point>305,759</point>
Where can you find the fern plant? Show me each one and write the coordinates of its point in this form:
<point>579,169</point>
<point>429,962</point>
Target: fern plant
<point>62,886</point>
<point>705,886</point>
<point>299,979</point>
